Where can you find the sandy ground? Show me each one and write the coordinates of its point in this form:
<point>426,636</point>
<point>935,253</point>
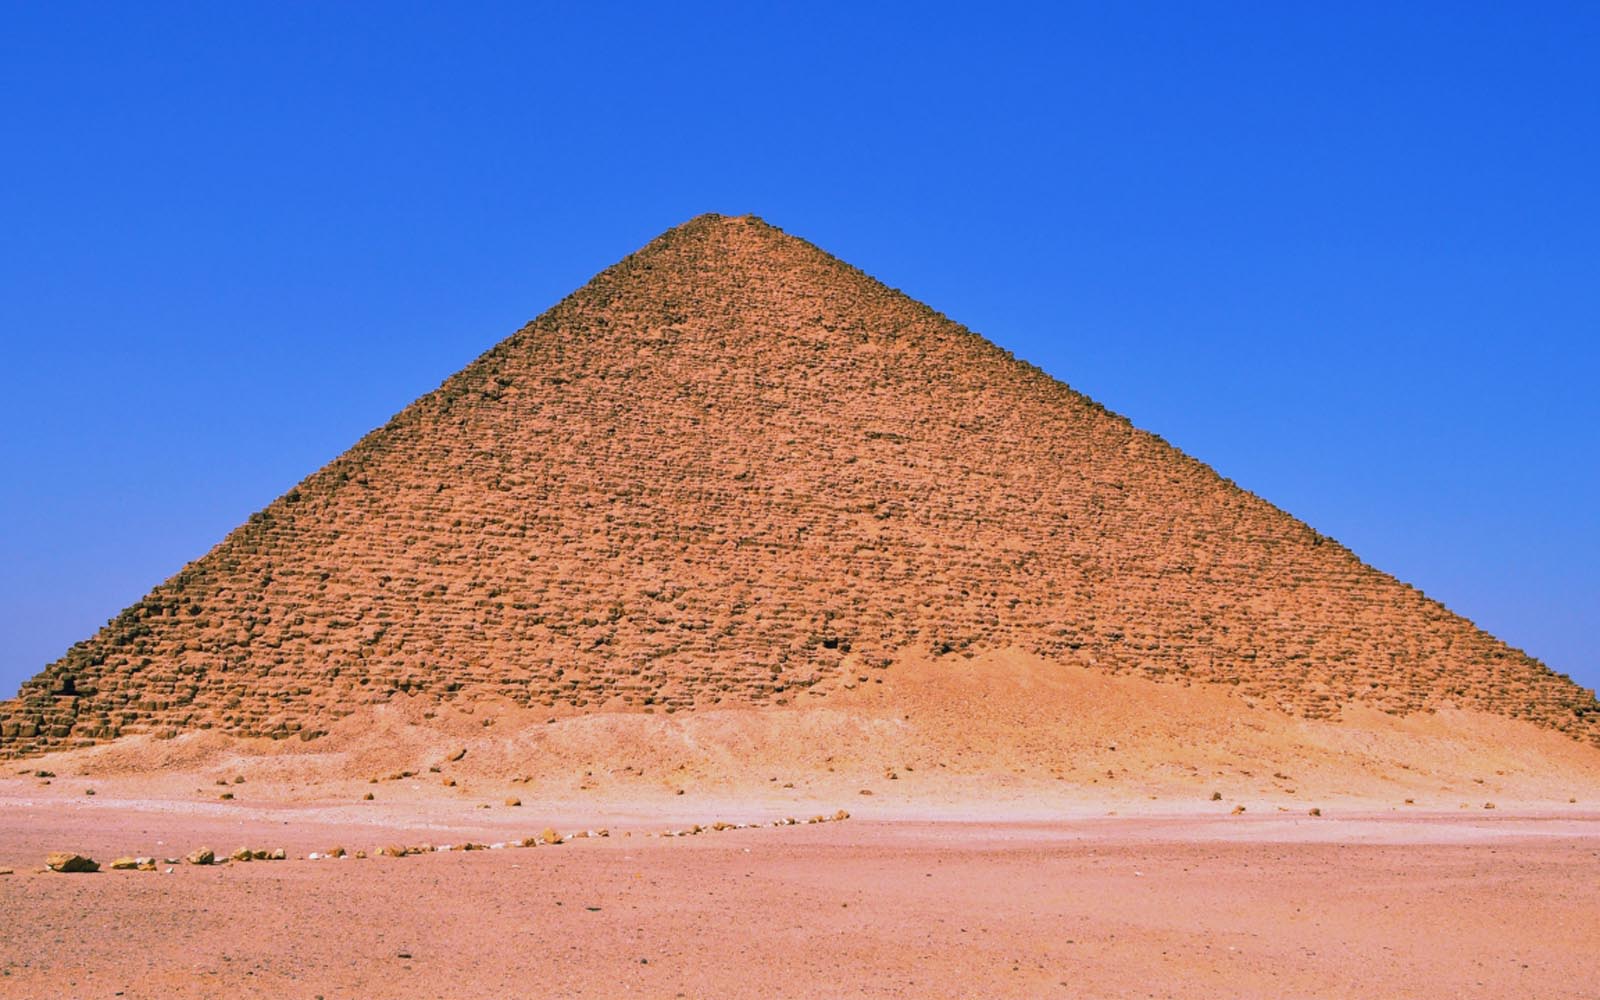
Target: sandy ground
<point>1473,904</point>
<point>1028,832</point>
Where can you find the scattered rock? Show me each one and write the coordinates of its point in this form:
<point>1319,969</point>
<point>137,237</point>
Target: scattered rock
<point>66,861</point>
<point>242,854</point>
<point>336,852</point>
<point>456,756</point>
<point>550,836</point>
<point>392,851</point>
<point>841,815</point>
<point>204,856</point>
<point>513,801</point>
<point>1237,810</point>
<point>125,864</point>
<point>1216,796</point>
<point>368,797</point>
<point>226,796</point>
<point>1488,805</point>
<point>6,871</point>
<point>865,791</point>
<point>1316,811</point>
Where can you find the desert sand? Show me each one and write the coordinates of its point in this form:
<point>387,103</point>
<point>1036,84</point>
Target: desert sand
<point>995,856</point>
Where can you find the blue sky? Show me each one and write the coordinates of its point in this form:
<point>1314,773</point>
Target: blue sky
<point>1348,255</point>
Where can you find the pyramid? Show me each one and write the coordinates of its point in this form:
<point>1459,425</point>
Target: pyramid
<point>732,470</point>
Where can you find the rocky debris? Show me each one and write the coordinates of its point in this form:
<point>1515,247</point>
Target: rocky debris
<point>7,871</point>
<point>66,861</point>
<point>205,856</point>
<point>1315,811</point>
<point>513,801</point>
<point>368,797</point>
<point>1237,810</point>
<point>456,756</point>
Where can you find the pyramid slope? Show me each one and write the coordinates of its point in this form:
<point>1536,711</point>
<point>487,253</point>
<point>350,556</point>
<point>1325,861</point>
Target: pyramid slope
<point>733,470</point>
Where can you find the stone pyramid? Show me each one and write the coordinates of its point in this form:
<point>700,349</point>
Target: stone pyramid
<point>732,470</point>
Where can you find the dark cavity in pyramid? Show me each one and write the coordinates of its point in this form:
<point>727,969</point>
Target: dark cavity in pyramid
<point>727,470</point>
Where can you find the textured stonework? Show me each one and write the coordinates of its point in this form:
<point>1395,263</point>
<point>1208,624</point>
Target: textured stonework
<point>731,468</point>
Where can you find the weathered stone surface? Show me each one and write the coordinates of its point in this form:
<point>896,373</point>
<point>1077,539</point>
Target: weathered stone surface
<point>67,861</point>
<point>203,856</point>
<point>732,469</point>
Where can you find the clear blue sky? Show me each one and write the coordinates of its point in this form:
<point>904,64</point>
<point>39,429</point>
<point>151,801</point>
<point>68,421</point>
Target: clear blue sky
<point>1347,254</point>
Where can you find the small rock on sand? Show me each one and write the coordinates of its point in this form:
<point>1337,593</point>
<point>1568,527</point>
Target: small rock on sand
<point>66,861</point>
<point>204,856</point>
<point>550,836</point>
<point>124,864</point>
<point>513,801</point>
